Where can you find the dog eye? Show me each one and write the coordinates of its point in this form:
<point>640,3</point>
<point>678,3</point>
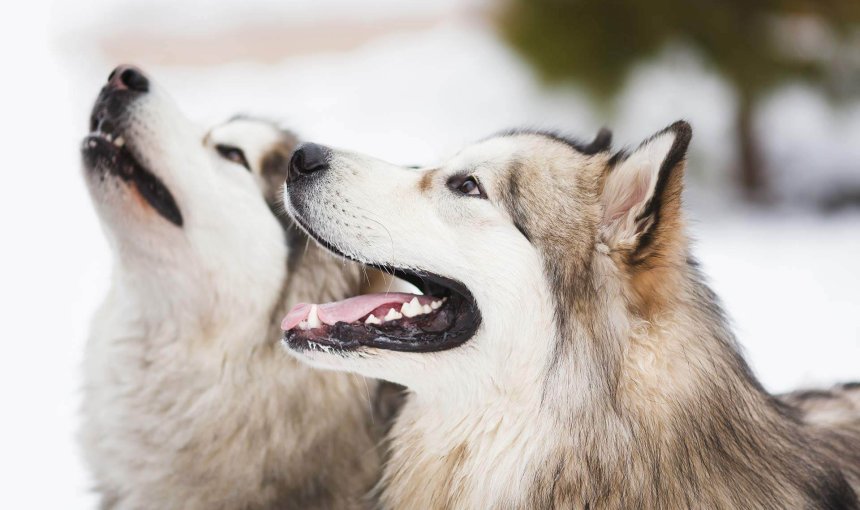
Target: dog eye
<point>233,154</point>
<point>466,185</point>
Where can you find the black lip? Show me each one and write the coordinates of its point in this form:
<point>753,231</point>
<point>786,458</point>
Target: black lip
<point>421,336</point>
<point>100,155</point>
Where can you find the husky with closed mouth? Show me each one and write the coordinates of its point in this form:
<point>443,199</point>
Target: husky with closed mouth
<point>572,355</point>
<point>188,401</point>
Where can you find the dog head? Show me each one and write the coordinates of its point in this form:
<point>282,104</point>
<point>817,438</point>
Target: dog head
<point>521,243</point>
<point>186,213</point>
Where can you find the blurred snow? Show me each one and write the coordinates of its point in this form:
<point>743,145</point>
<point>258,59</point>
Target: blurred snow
<point>812,144</point>
<point>789,278</point>
<point>790,284</point>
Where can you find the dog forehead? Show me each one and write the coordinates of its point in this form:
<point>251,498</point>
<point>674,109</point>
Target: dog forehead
<point>490,156</point>
<point>246,133</point>
<point>524,157</point>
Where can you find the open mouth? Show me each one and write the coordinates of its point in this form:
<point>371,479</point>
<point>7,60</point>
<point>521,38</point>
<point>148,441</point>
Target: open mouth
<point>105,150</point>
<point>444,316</point>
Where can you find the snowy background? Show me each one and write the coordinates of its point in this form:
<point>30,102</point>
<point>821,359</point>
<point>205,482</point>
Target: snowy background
<point>409,82</point>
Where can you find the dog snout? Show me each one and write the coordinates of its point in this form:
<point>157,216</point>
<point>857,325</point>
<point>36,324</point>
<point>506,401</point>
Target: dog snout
<point>126,77</point>
<point>308,159</point>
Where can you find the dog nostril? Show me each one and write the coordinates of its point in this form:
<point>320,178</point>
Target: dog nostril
<point>134,80</point>
<point>128,78</point>
<point>308,159</point>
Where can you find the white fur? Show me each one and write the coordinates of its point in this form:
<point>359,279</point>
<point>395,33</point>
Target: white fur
<point>253,136</point>
<point>394,222</point>
<point>452,239</point>
<point>189,401</point>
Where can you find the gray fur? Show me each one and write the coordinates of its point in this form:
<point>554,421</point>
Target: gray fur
<point>729,445</point>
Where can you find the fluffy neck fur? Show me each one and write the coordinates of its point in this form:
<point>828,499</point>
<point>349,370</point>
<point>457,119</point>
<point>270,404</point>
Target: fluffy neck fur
<point>652,407</point>
<point>206,410</point>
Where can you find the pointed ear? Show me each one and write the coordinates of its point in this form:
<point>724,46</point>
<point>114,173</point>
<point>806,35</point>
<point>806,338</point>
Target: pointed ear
<point>641,194</point>
<point>602,142</point>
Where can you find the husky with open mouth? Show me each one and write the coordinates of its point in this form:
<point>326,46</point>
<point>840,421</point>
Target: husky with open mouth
<point>566,352</point>
<point>188,401</point>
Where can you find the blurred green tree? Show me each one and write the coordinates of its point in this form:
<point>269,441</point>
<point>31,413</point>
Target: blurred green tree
<point>754,44</point>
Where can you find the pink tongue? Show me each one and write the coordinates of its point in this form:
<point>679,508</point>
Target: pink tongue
<point>295,316</point>
<point>349,310</point>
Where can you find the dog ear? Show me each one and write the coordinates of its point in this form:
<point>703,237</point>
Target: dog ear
<point>641,193</point>
<point>602,142</point>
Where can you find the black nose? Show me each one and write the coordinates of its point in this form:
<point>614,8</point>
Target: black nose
<point>128,78</point>
<point>308,159</point>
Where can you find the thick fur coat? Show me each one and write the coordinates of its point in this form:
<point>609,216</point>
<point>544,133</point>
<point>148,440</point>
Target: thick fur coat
<point>189,401</point>
<point>603,373</point>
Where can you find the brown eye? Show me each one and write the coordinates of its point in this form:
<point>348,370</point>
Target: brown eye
<point>233,154</point>
<point>467,185</point>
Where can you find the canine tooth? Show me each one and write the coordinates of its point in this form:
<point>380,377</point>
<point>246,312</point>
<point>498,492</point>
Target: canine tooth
<point>119,141</point>
<point>392,315</point>
<point>371,319</point>
<point>313,319</point>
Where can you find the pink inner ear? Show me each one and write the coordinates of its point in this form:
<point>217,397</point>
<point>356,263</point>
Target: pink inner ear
<point>627,198</point>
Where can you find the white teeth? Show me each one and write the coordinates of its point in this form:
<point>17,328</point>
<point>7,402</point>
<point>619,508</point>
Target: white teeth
<point>109,137</point>
<point>119,142</point>
<point>92,143</point>
<point>313,319</point>
<point>412,308</point>
<point>392,315</point>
